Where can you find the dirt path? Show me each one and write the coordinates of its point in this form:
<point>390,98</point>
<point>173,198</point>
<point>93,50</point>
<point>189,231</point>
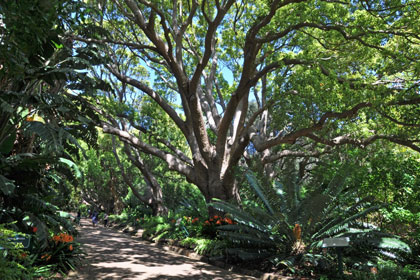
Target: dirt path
<point>114,255</point>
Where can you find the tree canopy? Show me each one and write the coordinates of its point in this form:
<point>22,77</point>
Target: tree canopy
<point>265,79</point>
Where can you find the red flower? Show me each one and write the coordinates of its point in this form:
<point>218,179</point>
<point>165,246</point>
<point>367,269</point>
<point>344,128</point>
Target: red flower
<point>219,222</point>
<point>207,223</point>
<point>34,229</point>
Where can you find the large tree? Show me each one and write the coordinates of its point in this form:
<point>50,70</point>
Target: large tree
<point>266,79</point>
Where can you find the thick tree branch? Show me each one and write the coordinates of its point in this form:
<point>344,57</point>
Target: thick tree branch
<point>192,93</point>
<point>347,139</point>
<point>173,162</point>
<point>251,48</point>
<point>146,200</point>
<point>134,46</point>
<point>154,95</point>
<point>171,147</point>
<point>291,153</point>
<point>291,137</point>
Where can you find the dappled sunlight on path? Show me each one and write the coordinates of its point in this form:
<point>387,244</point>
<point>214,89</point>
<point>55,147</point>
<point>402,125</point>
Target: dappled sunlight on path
<point>114,255</point>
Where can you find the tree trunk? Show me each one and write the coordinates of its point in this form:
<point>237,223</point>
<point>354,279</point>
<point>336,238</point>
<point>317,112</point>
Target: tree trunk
<point>154,197</point>
<point>213,187</point>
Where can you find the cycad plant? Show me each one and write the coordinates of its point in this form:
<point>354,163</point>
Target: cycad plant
<point>290,227</point>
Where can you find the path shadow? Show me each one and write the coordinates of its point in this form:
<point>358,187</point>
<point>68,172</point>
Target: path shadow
<point>114,255</point>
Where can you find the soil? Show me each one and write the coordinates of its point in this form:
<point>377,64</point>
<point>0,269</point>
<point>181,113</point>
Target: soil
<point>115,255</point>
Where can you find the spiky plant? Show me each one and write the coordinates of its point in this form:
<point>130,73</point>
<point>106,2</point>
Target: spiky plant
<point>286,232</point>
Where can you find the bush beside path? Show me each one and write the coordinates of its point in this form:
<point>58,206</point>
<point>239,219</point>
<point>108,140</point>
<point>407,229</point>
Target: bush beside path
<point>114,255</point>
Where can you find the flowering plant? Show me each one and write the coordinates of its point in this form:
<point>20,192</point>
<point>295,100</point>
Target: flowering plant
<point>209,225</point>
<point>62,251</point>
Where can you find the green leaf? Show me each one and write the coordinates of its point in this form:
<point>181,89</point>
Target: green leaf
<point>7,145</point>
<point>393,244</point>
<point>57,45</point>
<point>253,182</point>
<point>6,186</point>
<point>73,166</point>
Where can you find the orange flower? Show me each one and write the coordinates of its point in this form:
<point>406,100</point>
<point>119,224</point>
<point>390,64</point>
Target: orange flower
<point>219,222</point>
<point>216,217</point>
<point>194,220</point>
<point>71,247</point>
<point>207,223</point>
<point>229,221</point>
<point>297,231</point>
<point>47,257</point>
<point>63,237</point>
<point>68,238</point>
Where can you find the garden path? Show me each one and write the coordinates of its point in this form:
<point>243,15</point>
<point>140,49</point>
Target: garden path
<point>114,255</point>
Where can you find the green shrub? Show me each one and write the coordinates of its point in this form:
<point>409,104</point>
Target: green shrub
<point>203,246</point>
<point>61,255</point>
<point>14,260</point>
<point>386,271</point>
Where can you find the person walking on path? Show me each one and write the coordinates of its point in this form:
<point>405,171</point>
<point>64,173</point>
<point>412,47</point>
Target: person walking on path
<point>94,218</point>
<point>105,219</point>
<point>78,217</point>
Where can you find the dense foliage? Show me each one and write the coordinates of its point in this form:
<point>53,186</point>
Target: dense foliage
<point>39,127</point>
<point>150,110</point>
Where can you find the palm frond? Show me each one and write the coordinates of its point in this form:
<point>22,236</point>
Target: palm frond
<point>341,222</point>
<point>35,204</point>
<point>239,215</point>
<point>255,185</point>
<point>248,240</point>
<point>249,254</point>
